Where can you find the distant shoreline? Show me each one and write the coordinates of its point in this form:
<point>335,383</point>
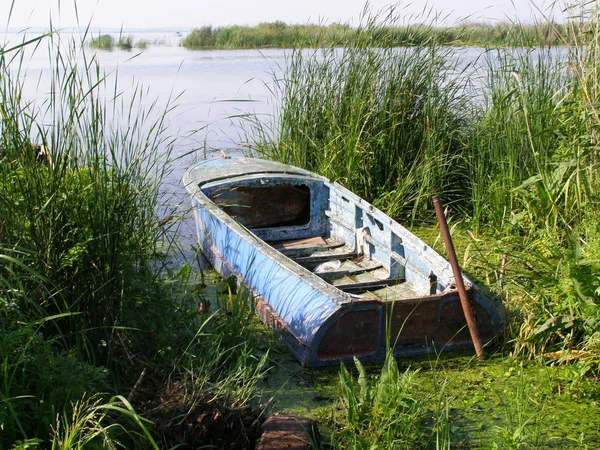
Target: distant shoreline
<point>281,35</point>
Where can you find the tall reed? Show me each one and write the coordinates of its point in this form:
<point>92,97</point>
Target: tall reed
<point>282,35</point>
<point>515,135</point>
<point>534,173</point>
<point>80,180</point>
<point>385,122</point>
<point>102,42</point>
<point>88,301</point>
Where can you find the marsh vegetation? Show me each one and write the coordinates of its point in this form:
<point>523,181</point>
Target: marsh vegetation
<point>103,343</point>
<point>98,332</point>
<point>108,42</point>
<point>515,156</point>
<point>281,35</point>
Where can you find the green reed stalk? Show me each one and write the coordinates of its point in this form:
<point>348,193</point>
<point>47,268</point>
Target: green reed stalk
<point>385,122</point>
<point>514,138</point>
<point>281,35</point>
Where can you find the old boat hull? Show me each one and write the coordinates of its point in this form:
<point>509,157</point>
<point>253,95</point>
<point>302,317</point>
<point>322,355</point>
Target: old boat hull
<point>336,276</point>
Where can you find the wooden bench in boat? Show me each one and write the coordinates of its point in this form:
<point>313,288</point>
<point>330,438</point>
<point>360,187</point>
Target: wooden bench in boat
<point>314,251</point>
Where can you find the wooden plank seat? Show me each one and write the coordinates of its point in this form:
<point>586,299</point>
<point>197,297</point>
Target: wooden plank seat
<point>310,262</point>
<point>336,274</point>
<point>359,288</point>
<point>305,247</point>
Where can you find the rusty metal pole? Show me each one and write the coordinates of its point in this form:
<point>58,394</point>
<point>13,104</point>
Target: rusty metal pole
<point>460,286</point>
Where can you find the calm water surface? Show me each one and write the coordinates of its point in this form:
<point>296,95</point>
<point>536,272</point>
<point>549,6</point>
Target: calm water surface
<point>212,90</point>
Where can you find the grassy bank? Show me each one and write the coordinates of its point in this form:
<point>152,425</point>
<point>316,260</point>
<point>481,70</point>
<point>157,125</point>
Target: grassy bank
<point>515,155</point>
<point>102,344</point>
<point>281,35</point>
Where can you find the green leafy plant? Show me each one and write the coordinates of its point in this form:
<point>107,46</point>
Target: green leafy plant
<point>388,411</point>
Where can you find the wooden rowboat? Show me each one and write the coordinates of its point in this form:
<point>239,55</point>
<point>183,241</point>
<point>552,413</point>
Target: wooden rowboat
<point>328,270</point>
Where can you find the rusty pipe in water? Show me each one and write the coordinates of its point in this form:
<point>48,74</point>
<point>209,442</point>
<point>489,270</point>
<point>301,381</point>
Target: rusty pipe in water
<point>460,286</point>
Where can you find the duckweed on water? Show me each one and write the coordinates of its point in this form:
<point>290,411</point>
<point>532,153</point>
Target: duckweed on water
<point>500,403</point>
<point>493,404</point>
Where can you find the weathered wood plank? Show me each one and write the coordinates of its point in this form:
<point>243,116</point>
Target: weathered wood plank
<point>357,288</point>
<point>290,433</point>
<point>312,261</point>
<point>314,241</point>
<point>336,274</point>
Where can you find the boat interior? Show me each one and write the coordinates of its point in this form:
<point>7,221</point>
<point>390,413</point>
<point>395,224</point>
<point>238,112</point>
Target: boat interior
<point>334,234</point>
<point>338,263</point>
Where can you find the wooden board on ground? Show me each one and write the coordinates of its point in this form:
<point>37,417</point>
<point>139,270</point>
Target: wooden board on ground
<point>288,432</point>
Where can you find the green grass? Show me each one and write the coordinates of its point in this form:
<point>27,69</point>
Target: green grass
<point>125,42</point>
<point>102,42</point>
<point>281,35</point>
<point>142,44</point>
<point>79,233</point>
<point>108,42</point>
<point>515,159</point>
<point>444,401</point>
<point>273,34</point>
<point>386,411</point>
<point>534,172</point>
<point>95,325</point>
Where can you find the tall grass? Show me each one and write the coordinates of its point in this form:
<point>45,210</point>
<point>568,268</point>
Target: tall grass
<point>108,42</point>
<point>390,410</point>
<point>88,301</point>
<point>534,172</point>
<point>385,122</point>
<point>282,35</point>
<point>514,153</point>
<point>272,34</point>
<point>102,42</point>
<point>79,193</point>
<point>125,42</point>
<point>80,183</point>
<point>85,298</point>
<point>91,422</point>
<point>516,135</point>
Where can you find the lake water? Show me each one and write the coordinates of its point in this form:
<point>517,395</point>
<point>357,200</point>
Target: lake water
<point>210,87</point>
<point>213,90</point>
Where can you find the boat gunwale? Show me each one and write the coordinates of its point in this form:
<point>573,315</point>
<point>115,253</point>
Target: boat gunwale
<point>271,168</point>
<point>194,186</point>
<point>305,345</point>
<point>336,295</point>
<point>225,181</point>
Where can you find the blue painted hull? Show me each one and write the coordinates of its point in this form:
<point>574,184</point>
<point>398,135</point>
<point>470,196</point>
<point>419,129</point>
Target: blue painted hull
<point>408,290</point>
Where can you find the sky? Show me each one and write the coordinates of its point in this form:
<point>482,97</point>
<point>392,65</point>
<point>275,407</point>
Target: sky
<point>194,13</point>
